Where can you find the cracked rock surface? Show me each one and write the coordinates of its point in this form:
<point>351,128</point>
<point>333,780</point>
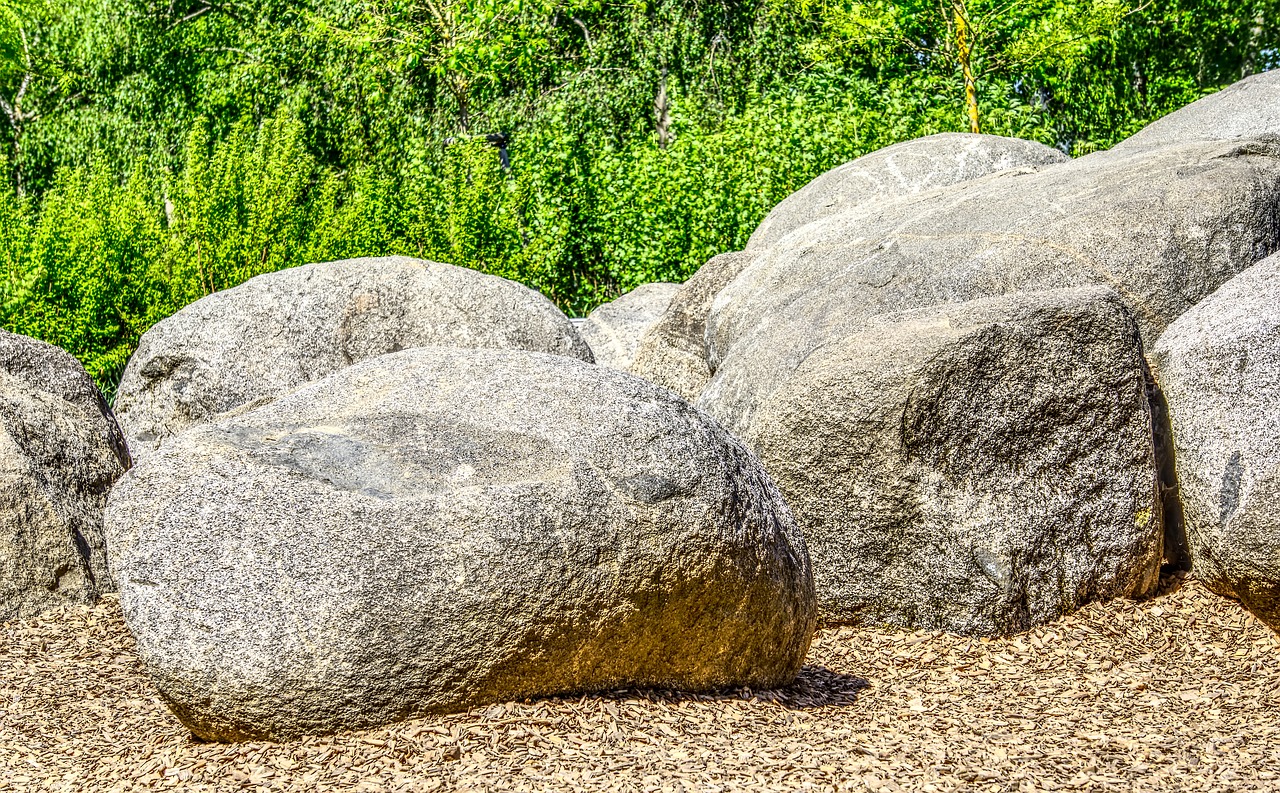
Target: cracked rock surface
<point>673,351</point>
<point>1164,227</point>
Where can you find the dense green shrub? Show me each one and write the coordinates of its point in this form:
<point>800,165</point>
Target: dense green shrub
<point>80,274</point>
<point>152,152</point>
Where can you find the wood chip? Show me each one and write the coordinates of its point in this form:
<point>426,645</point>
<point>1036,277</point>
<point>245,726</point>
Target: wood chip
<point>1179,692</point>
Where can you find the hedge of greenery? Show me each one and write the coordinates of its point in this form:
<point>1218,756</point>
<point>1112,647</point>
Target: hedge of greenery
<point>154,152</point>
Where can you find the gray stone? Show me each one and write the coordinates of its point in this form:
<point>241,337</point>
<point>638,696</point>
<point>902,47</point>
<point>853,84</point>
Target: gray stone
<point>899,170</point>
<point>60,453</point>
<point>613,330</point>
<point>673,351</point>
<point>275,332</point>
<point>1247,109</point>
<point>1219,368</point>
<point>980,467</point>
<point>439,528</point>
<point>1164,227</point>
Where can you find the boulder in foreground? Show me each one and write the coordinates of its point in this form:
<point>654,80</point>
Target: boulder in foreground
<point>1219,368</point>
<point>60,453</point>
<point>440,528</point>
<point>275,332</point>
<point>978,468</point>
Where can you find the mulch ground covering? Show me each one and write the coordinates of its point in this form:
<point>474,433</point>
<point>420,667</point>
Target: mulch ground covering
<point>1179,692</point>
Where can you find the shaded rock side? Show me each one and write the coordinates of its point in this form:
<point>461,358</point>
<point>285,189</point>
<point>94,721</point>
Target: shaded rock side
<point>1163,227</point>
<point>1246,109</point>
<point>613,330</point>
<point>978,468</point>
<point>275,332</point>
<point>673,351</point>
<point>1219,368</point>
<point>899,170</point>
<point>60,453</point>
<point>440,528</point>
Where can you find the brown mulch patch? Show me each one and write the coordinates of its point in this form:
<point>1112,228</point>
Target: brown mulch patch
<point>1179,692</point>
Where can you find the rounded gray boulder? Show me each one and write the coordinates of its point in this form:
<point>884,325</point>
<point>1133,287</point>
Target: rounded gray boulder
<point>60,453</point>
<point>899,170</point>
<point>264,338</point>
<point>1163,227</point>
<point>1246,109</point>
<point>980,467</point>
<point>613,330</point>
<point>439,528</point>
<point>673,351</point>
<point>1219,368</point>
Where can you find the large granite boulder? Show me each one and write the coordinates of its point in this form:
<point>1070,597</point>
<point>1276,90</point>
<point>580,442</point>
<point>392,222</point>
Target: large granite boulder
<point>60,453</point>
<point>1219,368</point>
<point>1164,227</point>
<point>673,351</point>
<point>264,338</point>
<point>980,467</point>
<point>613,330</point>
<point>899,170</point>
<point>1247,109</point>
<point>439,528</point>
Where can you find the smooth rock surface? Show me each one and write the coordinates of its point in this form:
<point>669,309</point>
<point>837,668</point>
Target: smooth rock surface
<point>1163,227</point>
<point>1246,109</point>
<point>60,453</point>
<point>673,351</point>
<point>899,170</point>
<point>1219,368</point>
<point>439,528</point>
<point>613,330</point>
<point>978,468</point>
<point>262,339</point>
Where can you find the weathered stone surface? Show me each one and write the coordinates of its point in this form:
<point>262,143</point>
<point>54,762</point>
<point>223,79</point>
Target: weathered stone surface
<point>1219,367</point>
<point>1247,109</point>
<point>60,453</point>
<point>271,334</point>
<point>899,170</point>
<point>1164,227</point>
<point>613,330</point>
<point>673,351</point>
<point>438,528</point>
<point>980,467</point>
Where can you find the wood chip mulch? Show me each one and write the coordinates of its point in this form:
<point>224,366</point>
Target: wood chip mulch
<point>1179,692</point>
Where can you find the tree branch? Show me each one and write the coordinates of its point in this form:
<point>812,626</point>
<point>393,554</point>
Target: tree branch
<point>585,34</point>
<point>191,16</point>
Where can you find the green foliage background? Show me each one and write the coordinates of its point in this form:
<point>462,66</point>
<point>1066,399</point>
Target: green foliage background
<point>154,151</point>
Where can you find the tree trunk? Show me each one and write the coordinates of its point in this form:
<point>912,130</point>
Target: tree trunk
<point>662,114</point>
<point>1251,48</point>
<point>964,52</point>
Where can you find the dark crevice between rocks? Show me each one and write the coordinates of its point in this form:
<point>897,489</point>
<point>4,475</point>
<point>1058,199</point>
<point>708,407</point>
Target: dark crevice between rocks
<point>1177,556</point>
